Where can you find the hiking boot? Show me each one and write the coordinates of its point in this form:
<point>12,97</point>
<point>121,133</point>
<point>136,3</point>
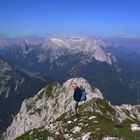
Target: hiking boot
<point>77,115</point>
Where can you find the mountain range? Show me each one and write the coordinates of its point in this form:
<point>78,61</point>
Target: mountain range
<point>62,58</point>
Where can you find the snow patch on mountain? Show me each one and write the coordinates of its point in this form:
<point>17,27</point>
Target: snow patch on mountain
<point>59,42</point>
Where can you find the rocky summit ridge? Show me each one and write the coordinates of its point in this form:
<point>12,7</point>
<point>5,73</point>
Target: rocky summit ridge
<point>48,115</point>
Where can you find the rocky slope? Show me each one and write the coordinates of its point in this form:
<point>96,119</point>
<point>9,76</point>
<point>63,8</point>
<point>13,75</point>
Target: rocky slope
<point>98,121</point>
<point>48,115</point>
<point>15,86</point>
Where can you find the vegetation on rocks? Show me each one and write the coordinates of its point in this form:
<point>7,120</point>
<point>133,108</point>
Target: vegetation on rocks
<point>48,90</point>
<point>97,120</point>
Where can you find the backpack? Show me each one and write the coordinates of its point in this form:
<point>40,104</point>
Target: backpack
<point>83,97</point>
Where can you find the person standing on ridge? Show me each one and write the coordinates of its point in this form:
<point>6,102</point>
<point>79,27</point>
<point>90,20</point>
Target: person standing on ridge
<point>77,97</point>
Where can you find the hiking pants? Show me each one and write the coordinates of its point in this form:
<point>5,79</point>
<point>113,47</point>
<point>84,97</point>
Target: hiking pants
<point>75,105</point>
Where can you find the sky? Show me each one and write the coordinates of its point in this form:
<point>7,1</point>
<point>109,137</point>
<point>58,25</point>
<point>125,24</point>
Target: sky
<point>70,17</point>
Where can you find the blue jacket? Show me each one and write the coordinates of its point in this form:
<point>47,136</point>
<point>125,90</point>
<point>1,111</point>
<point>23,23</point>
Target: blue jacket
<point>77,94</point>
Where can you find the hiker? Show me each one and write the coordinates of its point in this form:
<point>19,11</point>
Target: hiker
<point>77,97</point>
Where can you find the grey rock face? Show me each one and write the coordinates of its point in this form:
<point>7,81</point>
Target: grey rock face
<point>55,99</point>
<point>46,106</point>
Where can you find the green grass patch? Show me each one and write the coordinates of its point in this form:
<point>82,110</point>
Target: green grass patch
<point>36,110</point>
<point>99,126</point>
<point>30,105</point>
<point>36,134</point>
<point>48,90</point>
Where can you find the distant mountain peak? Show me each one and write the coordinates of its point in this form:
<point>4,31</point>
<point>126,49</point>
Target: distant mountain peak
<point>87,46</point>
<point>53,48</point>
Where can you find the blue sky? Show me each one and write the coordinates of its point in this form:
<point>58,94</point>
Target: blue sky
<point>70,17</point>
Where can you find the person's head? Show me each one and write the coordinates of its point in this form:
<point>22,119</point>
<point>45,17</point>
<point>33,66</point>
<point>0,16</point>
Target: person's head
<point>74,86</point>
